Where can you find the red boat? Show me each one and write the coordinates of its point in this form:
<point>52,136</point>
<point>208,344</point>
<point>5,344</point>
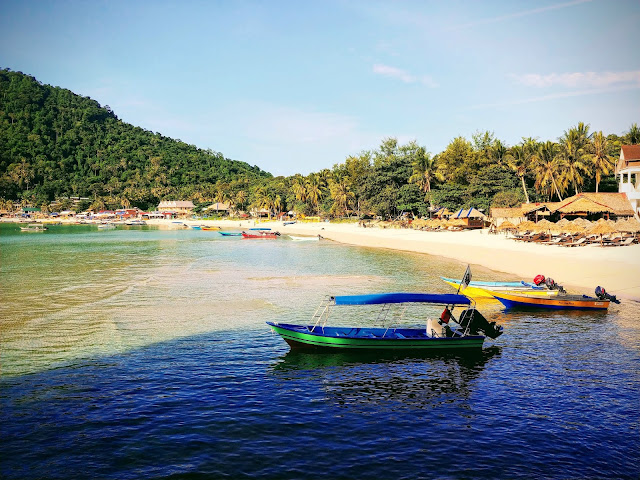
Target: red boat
<point>261,234</point>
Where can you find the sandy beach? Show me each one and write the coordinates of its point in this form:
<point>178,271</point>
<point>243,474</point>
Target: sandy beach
<point>579,269</point>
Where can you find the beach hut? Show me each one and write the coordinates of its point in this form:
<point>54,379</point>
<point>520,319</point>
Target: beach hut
<point>590,205</point>
<point>526,226</point>
<point>471,218</point>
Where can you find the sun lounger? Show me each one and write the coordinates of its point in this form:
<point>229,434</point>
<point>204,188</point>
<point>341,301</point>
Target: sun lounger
<point>578,243</point>
<point>622,243</point>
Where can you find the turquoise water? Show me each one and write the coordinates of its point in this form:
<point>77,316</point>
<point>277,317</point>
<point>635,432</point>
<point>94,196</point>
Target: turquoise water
<point>140,352</point>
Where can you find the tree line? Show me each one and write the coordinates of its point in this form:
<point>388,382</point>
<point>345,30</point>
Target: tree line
<point>55,144</point>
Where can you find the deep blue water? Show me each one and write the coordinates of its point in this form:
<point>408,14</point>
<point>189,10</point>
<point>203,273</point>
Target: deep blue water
<point>556,397</point>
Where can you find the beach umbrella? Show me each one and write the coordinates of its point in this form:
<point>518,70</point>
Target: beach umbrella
<point>526,225</point>
<point>506,225</point>
<point>629,225</point>
<point>602,229</point>
<point>563,222</point>
<point>572,227</point>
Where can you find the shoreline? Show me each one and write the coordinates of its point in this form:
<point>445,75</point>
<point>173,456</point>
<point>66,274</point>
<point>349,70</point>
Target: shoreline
<point>582,269</point>
<point>578,269</point>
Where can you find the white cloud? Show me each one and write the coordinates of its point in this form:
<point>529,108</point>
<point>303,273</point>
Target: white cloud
<point>579,79</point>
<point>404,76</point>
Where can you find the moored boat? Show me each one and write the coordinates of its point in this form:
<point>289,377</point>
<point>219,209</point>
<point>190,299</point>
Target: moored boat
<point>296,238</point>
<point>209,228</point>
<point>230,234</point>
<point>261,234</point>
<point>468,331</point>
<point>478,289</point>
<point>106,226</point>
<point>560,302</point>
<point>34,227</point>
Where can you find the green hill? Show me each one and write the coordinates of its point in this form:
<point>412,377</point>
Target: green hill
<point>56,144</point>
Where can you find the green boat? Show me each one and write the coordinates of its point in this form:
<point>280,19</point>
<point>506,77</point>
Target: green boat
<point>468,330</point>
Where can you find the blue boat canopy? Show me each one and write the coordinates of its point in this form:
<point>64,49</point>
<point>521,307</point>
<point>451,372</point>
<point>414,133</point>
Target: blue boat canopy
<point>378,298</point>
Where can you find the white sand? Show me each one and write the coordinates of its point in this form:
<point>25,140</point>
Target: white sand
<point>580,269</point>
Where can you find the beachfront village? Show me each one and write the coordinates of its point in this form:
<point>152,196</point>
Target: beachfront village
<point>606,218</point>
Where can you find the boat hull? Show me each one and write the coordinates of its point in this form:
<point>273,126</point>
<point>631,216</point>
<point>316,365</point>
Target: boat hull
<point>336,338</point>
<point>564,302</point>
<point>482,290</point>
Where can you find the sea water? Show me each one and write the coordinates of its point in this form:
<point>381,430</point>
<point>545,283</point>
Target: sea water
<point>143,353</point>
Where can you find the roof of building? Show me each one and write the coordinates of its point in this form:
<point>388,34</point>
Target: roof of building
<point>218,206</point>
<point>629,157</point>
<point>468,213</point>
<point>176,204</point>
<point>506,212</point>
<point>591,202</point>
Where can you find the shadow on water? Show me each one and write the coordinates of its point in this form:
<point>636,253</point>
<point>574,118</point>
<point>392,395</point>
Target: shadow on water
<point>357,380</point>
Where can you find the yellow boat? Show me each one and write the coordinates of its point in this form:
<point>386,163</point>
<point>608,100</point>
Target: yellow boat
<point>484,289</point>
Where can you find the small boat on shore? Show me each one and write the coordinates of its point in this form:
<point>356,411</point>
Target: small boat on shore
<point>296,238</point>
<point>270,235</point>
<point>134,223</point>
<point>559,302</point>
<point>479,289</point>
<point>467,332</point>
<point>260,228</point>
<point>34,227</point>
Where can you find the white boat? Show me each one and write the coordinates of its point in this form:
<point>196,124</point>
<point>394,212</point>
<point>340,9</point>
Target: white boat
<point>34,227</point>
<point>135,222</point>
<point>106,226</point>
<point>296,238</point>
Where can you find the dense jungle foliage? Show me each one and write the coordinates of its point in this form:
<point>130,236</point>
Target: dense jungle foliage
<point>55,145</point>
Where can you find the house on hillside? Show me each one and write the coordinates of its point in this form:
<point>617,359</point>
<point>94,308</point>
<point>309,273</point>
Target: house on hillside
<point>219,207</point>
<point>176,207</point>
<point>628,168</point>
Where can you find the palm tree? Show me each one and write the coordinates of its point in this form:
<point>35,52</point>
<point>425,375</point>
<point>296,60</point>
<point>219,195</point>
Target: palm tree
<point>603,163</point>
<point>424,172</point>
<point>546,167</point>
<point>573,153</point>
<point>299,190</point>
<point>241,198</point>
<point>633,135</point>
<point>314,191</point>
<point>342,195</point>
<point>516,160</point>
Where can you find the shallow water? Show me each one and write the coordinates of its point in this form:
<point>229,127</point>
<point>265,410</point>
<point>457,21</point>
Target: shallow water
<point>139,352</point>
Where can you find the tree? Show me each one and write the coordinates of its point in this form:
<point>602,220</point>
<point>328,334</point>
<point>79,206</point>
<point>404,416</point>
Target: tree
<point>547,168</point>
<point>573,153</point>
<point>517,162</point>
<point>342,196</point>
<point>632,137</point>
<point>424,172</point>
<point>603,163</point>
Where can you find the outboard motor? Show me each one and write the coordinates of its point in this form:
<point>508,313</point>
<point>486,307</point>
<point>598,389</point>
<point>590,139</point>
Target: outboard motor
<point>552,285</point>
<point>602,294</point>
<point>539,280</point>
<point>478,324</point>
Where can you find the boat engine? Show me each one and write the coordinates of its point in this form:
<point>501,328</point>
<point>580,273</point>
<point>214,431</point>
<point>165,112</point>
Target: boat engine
<point>539,280</point>
<point>552,285</point>
<point>478,324</point>
<point>602,294</point>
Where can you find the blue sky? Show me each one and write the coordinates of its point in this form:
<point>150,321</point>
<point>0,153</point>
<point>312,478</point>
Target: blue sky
<point>294,87</point>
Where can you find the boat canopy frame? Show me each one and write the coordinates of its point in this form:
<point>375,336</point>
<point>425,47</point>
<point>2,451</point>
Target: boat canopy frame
<point>387,300</point>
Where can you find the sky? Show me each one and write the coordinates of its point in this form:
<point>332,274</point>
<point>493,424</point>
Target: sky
<point>298,86</point>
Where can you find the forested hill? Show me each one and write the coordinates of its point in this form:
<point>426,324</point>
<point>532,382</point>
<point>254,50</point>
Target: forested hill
<point>56,144</point>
